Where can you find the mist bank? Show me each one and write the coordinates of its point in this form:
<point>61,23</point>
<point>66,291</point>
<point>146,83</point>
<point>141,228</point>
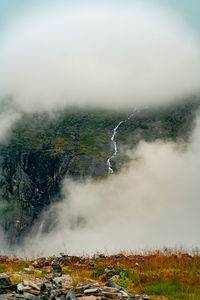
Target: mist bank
<point>98,54</point>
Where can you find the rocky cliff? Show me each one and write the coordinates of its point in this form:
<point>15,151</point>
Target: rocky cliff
<point>44,148</point>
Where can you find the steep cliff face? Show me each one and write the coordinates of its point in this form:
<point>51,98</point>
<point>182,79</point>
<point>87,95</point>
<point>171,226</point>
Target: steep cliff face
<point>29,182</point>
<point>44,149</point>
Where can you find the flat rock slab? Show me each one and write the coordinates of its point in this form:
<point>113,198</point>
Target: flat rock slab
<point>110,289</point>
<point>90,291</point>
<point>5,296</point>
<point>89,298</point>
<point>32,297</point>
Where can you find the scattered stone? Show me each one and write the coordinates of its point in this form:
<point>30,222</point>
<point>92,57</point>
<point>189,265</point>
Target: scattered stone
<point>31,296</point>
<point>187,256</point>
<point>137,265</point>
<point>112,284</point>
<point>92,264</point>
<point>34,286</point>
<point>89,298</point>
<point>91,291</point>
<point>5,284</point>
<point>49,276</point>
<point>19,296</point>
<point>110,289</point>
<point>39,263</point>
<point>4,289</point>
<point>64,280</point>
<point>112,295</point>
<point>4,279</point>
<point>60,288</point>
<point>20,287</point>
<point>56,269</point>
<point>79,289</point>
<point>26,282</point>
<point>6,296</point>
<point>110,272</point>
<point>26,288</point>
<point>141,258</point>
<point>3,258</point>
<point>71,295</point>
<point>34,292</point>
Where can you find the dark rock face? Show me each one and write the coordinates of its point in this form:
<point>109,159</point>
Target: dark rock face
<point>32,181</point>
<point>42,151</point>
<point>29,182</point>
<point>33,168</point>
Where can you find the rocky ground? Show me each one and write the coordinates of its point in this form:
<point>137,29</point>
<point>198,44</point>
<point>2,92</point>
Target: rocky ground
<point>56,285</point>
<point>159,274</point>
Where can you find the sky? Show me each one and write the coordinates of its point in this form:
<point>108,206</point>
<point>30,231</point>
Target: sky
<point>189,8</point>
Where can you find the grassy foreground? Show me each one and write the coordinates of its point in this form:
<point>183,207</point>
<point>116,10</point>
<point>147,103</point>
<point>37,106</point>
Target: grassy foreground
<point>161,274</point>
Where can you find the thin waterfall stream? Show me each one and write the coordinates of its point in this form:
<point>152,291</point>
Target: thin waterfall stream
<point>108,162</point>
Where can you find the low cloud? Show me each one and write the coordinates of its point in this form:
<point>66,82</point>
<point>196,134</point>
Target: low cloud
<point>110,54</point>
<point>8,118</point>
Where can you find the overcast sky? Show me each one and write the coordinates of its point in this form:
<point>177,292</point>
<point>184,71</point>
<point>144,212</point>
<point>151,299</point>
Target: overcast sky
<point>47,48</point>
<point>190,8</point>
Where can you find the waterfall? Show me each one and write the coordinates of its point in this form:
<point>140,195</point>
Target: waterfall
<point>108,162</point>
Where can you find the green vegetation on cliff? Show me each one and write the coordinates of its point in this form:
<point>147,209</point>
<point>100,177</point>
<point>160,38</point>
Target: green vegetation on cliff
<point>45,148</point>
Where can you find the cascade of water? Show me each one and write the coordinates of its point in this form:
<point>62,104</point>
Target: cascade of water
<point>108,162</point>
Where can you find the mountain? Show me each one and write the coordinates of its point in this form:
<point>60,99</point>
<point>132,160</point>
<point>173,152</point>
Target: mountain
<point>44,148</point>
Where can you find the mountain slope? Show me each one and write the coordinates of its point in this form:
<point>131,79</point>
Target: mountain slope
<point>43,149</point>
